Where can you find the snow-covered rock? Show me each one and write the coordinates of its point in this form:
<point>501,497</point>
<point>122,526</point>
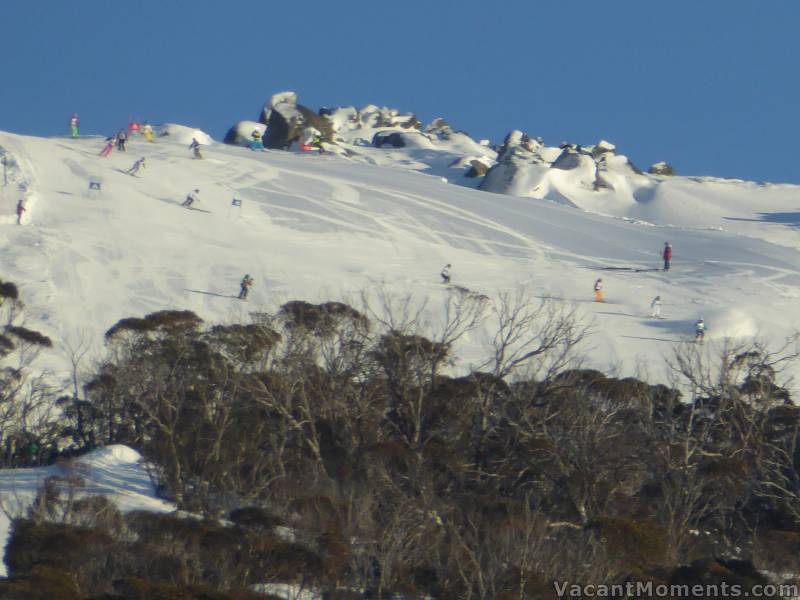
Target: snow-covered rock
<point>287,99</point>
<point>602,147</point>
<point>376,117</point>
<point>401,139</point>
<point>344,118</point>
<point>241,133</point>
<point>182,134</point>
<point>286,120</point>
<point>661,168</point>
<point>478,168</point>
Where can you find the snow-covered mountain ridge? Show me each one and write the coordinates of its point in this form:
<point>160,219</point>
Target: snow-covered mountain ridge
<point>596,177</point>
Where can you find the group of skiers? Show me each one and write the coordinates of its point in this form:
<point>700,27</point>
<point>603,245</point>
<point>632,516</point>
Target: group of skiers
<point>256,143</point>
<point>120,139</point>
<point>134,127</point>
<point>699,326</point>
<point>655,305</point>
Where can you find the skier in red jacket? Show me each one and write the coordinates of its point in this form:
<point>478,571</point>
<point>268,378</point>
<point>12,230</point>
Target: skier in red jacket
<point>667,255</point>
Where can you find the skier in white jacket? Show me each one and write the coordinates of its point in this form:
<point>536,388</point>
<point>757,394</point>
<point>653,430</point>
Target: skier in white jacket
<point>699,330</point>
<point>655,305</point>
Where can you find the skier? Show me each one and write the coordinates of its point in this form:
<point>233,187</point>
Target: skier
<point>147,132</point>
<point>195,146</point>
<point>598,291</point>
<point>667,255</point>
<point>446,273</point>
<point>73,125</point>
<point>191,198</point>
<point>312,139</point>
<point>20,210</point>
<point>244,287</point>
<point>256,142</point>
<point>122,137</point>
<point>699,331</point>
<point>109,146</point>
<point>656,306</point>
<point>139,164</point>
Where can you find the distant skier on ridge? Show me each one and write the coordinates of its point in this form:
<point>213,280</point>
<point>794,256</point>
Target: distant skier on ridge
<point>73,125</point>
<point>147,132</point>
<point>195,147</point>
<point>122,138</point>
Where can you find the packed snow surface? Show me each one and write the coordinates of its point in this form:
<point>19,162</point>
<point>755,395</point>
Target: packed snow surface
<point>327,227</point>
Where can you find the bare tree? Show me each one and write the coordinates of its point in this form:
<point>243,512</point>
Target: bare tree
<point>76,347</point>
<point>540,335</point>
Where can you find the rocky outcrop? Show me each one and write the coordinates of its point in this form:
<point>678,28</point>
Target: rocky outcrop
<point>569,159</point>
<point>286,120</point>
<point>373,116</point>
<point>288,98</point>
<point>661,168</point>
<point>517,140</point>
<point>394,139</point>
<point>440,129</point>
<point>602,147</point>
<point>477,169</point>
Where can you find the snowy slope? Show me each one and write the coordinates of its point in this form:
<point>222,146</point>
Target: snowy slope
<point>114,471</point>
<point>326,227</point>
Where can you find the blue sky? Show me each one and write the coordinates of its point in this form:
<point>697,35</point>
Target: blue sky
<point>710,86</point>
